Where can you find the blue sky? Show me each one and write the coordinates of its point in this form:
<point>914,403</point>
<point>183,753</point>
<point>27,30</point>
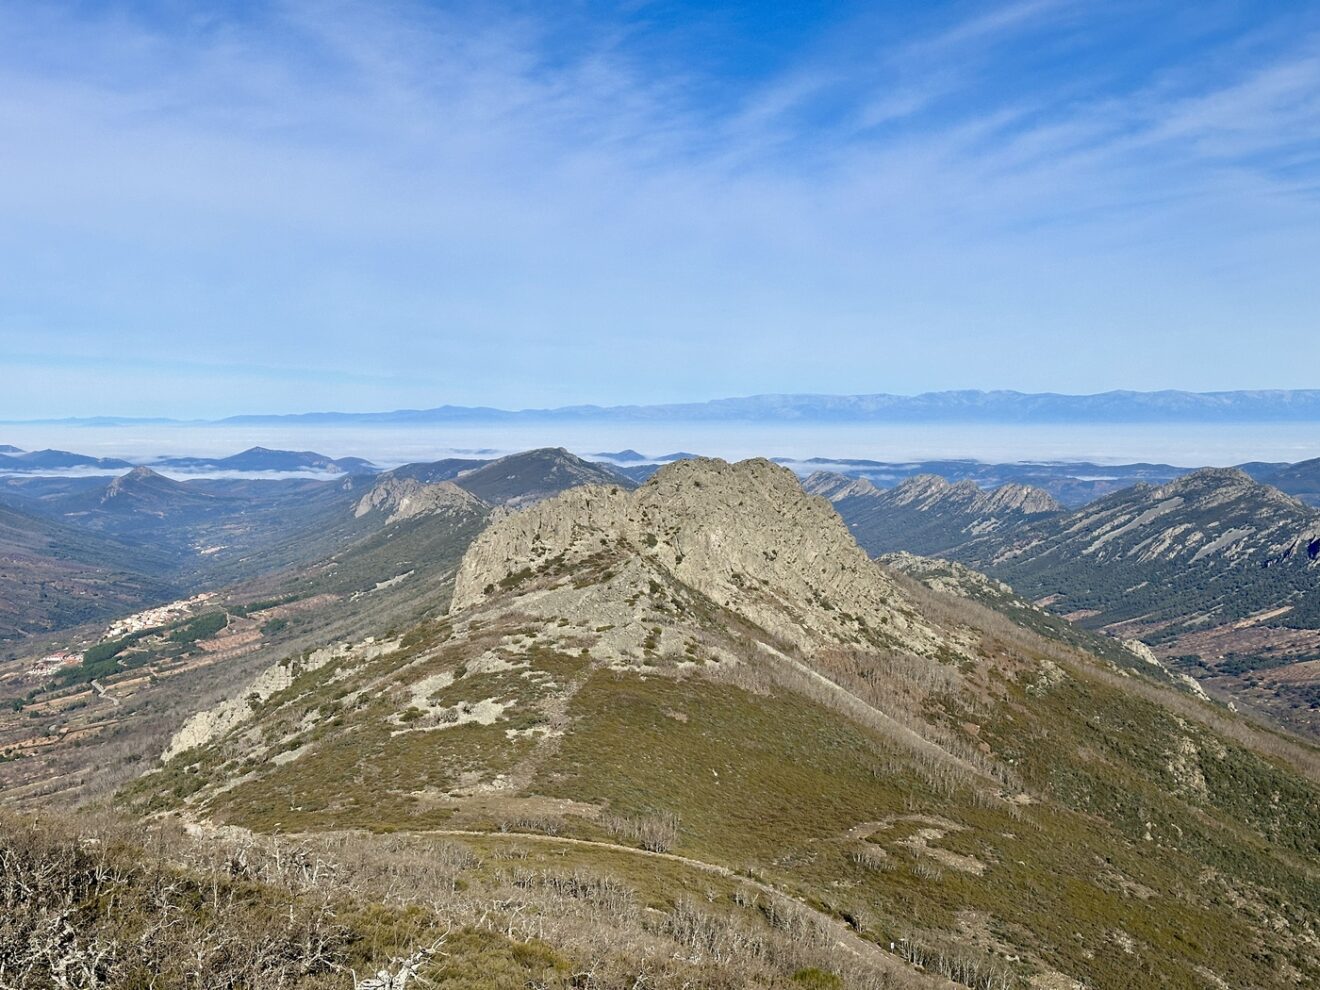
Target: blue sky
<point>223,208</point>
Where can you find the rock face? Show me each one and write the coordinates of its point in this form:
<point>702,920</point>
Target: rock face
<point>404,498</point>
<point>213,723</point>
<point>1218,516</point>
<point>926,514</point>
<point>744,535</point>
<point>1211,521</point>
<point>837,487</point>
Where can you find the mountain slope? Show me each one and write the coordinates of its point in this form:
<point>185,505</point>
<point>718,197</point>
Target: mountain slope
<point>705,687</point>
<point>376,573</point>
<point>950,577</point>
<point>1219,573</point>
<point>1301,480</point>
<point>927,515</point>
<point>214,530</point>
<point>1211,547</point>
<point>535,474</point>
<point>55,576</point>
<point>443,470</point>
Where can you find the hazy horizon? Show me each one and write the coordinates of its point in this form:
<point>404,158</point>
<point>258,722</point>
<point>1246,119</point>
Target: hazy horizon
<point>1181,445</point>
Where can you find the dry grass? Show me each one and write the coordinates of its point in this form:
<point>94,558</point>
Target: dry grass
<point>106,904</point>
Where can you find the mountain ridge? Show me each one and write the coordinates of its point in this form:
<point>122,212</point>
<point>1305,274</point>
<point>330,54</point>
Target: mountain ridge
<point>1169,405</point>
<point>707,673</point>
<point>927,515</point>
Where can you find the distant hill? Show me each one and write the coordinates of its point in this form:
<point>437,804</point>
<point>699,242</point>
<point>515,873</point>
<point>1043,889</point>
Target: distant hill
<point>628,456</point>
<point>513,480</point>
<point>534,475</point>
<point>1301,479</point>
<point>141,492</point>
<point>46,460</point>
<point>442,470</point>
<point>264,459</point>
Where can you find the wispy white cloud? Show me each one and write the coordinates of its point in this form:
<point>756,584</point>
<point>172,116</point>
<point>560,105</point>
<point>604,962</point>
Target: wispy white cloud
<point>458,206</point>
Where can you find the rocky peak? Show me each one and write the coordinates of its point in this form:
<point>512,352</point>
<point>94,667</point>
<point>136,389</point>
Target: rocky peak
<point>138,476</point>
<point>1026,499</point>
<point>1207,478</point>
<point>744,535</point>
<point>922,491</point>
<point>835,486</point>
<point>1210,487</point>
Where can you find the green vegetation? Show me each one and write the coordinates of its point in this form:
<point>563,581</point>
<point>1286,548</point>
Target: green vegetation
<point>202,627</point>
<point>103,659</point>
<point>260,606</point>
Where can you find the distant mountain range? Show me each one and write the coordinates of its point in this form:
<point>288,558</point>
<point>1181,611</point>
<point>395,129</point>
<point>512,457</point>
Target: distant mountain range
<point>1003,406</point>
<point>254,459</point>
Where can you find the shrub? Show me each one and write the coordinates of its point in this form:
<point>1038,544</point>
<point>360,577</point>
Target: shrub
<point>654,833</point>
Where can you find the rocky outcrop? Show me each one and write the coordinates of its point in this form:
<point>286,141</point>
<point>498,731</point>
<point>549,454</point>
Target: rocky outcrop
<point>404,498</point>
<point>836,487</point>
<point>213,723</point>
<point>946,576</point>
<point>744,535</point>
<point>928,515</point>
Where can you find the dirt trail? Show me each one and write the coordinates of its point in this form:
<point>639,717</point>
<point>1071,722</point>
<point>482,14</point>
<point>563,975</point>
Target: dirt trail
<point>845,938</point>
<point>99,688</point>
